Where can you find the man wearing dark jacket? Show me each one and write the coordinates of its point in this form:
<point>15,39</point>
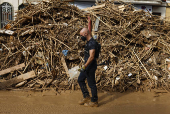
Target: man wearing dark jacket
<point>88,70</point>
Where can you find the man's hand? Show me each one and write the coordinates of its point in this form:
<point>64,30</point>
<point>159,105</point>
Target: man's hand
<point>82,69</point>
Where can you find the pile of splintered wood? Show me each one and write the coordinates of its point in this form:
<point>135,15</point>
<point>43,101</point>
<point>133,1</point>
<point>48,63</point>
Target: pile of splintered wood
<point>134,55</point>
<point>31,50</point>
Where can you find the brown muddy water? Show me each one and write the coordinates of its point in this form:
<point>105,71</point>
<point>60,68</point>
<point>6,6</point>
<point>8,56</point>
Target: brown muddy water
<point>29,102</point>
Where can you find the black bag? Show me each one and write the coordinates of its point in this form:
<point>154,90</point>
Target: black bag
<point>98,50</point>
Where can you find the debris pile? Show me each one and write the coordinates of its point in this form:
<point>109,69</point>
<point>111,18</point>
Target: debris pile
<point>34,44</point>
<point>42,44</point>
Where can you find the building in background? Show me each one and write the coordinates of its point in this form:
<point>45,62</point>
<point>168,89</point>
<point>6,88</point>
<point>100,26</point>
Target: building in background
<point>8,9</point>
<point>168,11</point>
<point>156,7</point>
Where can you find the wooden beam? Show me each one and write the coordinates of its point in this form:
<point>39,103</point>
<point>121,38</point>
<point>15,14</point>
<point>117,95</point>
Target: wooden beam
<point>17,79</point>
<point>21,83</point>
<point>65,66</point>
<point>94,7</point>
<point>8,70</point>
<point>9,32</point>
<point>30,31</point>
<point>26,76</point>
<point>160,91</point>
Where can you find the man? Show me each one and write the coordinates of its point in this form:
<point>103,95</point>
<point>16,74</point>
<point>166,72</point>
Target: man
<point>88,70</point>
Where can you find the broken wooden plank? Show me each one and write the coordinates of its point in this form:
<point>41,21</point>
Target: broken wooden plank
<point>8,70</point>
<point>8,32</point>
<point>160,91</point>
<point>30,31</point>
<point>26,76</point>
<point>21,84</point>
<point>65,66</point>
<point>94,7</point>
<point>17,79</point>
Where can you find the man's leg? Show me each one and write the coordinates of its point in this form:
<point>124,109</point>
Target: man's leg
<point>92,84</point>
<point>82,84</point>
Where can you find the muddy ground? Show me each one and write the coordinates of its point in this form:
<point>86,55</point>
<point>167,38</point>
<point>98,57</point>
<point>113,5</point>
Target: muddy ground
<point>29,102</point>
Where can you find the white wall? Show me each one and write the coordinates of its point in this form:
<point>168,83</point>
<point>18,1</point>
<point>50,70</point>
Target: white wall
<point>144,7</point>
<point>160,9</point>
<point>168,1</point>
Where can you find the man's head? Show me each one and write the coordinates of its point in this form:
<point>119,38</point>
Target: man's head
<point>84,33</point>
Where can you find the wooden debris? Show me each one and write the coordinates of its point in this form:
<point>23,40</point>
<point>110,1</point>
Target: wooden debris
<point>94,7</point>
<point>20,66</point>
<point>20,84</point>
<point>65,66</point>
<point>160,91</point>
<point>134,53</point>
<point>17,79</point>
<point>8,32</point>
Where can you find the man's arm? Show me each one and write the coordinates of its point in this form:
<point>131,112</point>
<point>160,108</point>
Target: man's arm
<point>89,24</point>
<point>91,58</point>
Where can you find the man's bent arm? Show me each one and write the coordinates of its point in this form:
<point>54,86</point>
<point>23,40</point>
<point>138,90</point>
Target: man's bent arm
<point>91,58</point>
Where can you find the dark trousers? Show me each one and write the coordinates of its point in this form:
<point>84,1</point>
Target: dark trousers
<point>89,74</point>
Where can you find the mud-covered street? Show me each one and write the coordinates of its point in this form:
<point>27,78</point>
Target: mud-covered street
<point>28,102</point>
